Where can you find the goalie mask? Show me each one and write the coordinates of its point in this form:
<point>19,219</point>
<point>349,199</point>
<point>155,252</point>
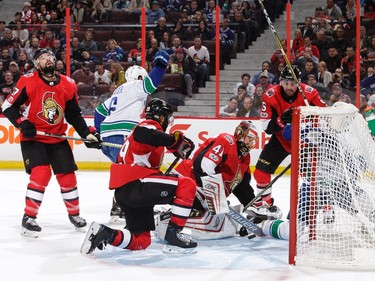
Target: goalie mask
<point>134,73</point>
<point>159,111</point>
<point>246,137</point>
<point>44,61</point>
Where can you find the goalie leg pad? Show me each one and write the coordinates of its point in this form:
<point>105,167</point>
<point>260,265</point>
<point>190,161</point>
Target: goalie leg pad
<point>214,191</point>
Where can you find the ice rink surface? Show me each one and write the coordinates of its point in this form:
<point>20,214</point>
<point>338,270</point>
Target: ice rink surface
<point>55,254</point>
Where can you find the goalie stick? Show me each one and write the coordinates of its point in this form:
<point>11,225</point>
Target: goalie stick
<point>76,138</point>
<point>234,215</point>
<point>277,38</point>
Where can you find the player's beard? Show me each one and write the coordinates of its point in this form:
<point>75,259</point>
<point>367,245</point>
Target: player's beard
<point>48,71</point>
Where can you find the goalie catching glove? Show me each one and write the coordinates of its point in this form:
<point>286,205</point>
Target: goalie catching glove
<point>182,146</point>
<point>94,140</point>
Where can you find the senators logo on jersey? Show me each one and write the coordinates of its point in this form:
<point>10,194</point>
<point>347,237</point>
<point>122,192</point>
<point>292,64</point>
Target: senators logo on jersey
<point>52,112</point>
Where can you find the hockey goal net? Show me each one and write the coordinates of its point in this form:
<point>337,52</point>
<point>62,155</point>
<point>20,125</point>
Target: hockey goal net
<point>332,216</point>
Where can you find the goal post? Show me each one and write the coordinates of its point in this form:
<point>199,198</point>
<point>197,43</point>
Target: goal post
<point>332,206</point>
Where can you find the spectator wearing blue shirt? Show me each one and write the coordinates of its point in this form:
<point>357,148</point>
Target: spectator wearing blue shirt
<point>114,52</point>
<point>154,14</point>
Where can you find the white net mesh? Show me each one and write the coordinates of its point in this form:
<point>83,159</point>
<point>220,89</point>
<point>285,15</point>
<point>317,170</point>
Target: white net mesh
<point>336,189</point>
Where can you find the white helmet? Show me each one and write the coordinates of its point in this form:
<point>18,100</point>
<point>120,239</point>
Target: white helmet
<point>134,73</point>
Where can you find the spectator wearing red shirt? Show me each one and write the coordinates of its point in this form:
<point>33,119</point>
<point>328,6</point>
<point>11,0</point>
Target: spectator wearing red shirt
<point>307,43</point>
<point>297,40</point>
<point>48,40</point>
<point>349,61</point>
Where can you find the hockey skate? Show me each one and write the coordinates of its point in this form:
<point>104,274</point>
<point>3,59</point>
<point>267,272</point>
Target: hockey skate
<point>97,236</point>
<point>78,222</point>
<point>177,242</point>
<point>117,215</point>
<point>30,228</point>
<point>261,211</point>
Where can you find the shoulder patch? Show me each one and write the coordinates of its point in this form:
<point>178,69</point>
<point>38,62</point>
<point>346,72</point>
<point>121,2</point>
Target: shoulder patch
<point>229,139</point>
<point>70,79</point>
<point>309,89</point>
<point>28,75</point>
<point>270,92</point>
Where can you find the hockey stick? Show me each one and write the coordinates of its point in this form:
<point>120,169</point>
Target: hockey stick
<point>76,138</point>
<point>241,220</point>
<point>171,167</point>
<point>267,187</point>
<point>277,38</point>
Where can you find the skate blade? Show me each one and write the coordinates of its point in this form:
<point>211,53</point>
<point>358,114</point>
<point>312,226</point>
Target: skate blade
<point>174,250</point>
<point>81,229</point>
<point>117,219</point>
<point>28,233</point>
<point>86,244</point>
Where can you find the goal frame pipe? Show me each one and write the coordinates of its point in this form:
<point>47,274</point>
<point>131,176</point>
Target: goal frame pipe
<point>294,184</point>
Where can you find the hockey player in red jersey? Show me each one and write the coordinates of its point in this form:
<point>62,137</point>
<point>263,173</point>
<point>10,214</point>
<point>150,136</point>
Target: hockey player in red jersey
<point>139,186</point>
<point>276,118</point>
<point>50,100</point>
<point>226,157</point>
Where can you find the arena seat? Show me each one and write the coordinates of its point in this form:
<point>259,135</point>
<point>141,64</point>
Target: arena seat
<point>123,35</point>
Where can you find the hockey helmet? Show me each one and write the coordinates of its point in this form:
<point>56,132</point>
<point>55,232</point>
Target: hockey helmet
<point>157,108</point>
<point>286,73</point>
<point>40,52</point>
<point>245,128</point>
<point>134,73</point>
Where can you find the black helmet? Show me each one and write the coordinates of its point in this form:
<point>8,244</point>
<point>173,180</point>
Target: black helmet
<point>287,74</point>
<point>156,108</point>
<point>40,52</point>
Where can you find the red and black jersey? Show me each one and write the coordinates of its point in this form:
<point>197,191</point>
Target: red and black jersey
<point>218,155</point>
<point>275,102</point>
<point>49,105</point>
<point>141,155</point>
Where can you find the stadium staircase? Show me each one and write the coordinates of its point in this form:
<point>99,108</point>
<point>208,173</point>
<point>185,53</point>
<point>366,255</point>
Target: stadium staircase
<point>8,8</point>
<point>203,103</point>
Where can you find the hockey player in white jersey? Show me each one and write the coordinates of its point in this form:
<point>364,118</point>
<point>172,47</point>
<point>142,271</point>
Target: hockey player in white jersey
<point>116,117</point>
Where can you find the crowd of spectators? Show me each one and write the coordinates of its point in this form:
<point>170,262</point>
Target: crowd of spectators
<point>185,26</point>
<point>323,47</point>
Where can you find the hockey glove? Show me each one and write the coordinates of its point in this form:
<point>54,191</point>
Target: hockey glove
<point>161,59</point>
<point>287,132</point>
<point>27,128</point>
<point>94,139</point>
<point>182,147</point>
<point>285,118</point>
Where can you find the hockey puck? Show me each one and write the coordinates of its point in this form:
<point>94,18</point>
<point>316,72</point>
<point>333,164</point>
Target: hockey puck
<point>251,236</point>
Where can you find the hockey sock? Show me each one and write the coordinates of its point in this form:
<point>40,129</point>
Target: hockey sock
<point>69,192</point>
<point>263,179</point>
<point>137,242</point>
<point>39,179</point>
<point>181,207</point>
